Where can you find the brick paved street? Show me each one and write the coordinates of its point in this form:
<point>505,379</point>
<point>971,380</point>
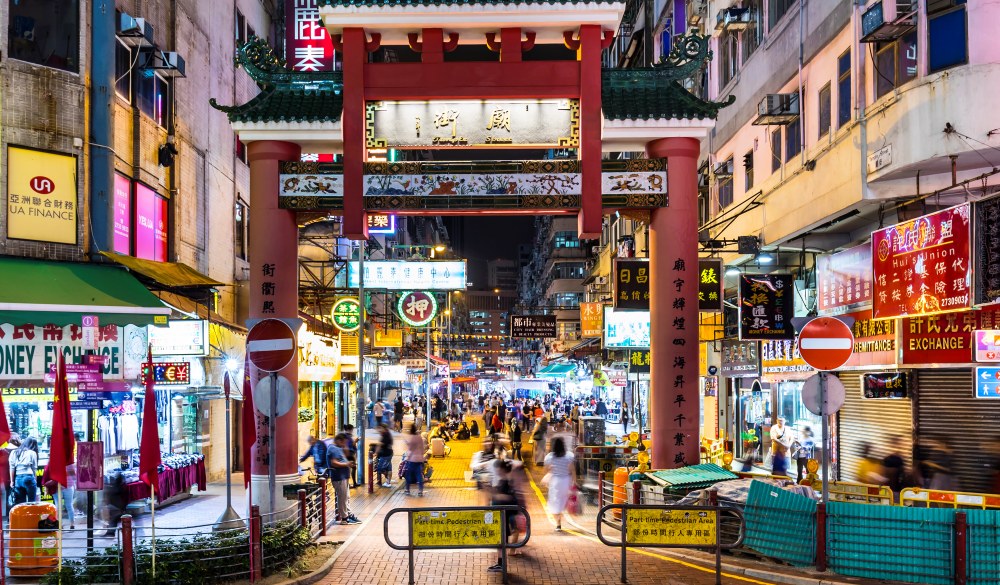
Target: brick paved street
<point>570,557</point>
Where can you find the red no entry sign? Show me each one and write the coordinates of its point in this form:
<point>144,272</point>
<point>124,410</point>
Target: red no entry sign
<point>826,343</point>
<point>271,345</point>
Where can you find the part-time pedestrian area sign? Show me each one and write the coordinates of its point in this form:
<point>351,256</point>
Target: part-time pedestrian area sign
<point>456,528</point>
<point>682,527</point>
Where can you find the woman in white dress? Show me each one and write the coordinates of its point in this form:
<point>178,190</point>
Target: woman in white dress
<point>561,471</point>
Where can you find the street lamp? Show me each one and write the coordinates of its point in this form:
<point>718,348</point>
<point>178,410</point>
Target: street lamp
<point>229,519</point>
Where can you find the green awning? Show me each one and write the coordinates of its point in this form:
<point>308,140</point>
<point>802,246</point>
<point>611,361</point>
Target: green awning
<point>691,477</point>
<point>169,274</point>
<point>556,370</point>
<point>38,292</point>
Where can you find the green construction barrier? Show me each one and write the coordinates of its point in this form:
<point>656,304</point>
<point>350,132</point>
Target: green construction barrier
<point>780,524</point>
<point>984,544</point>
<point>891,542</point>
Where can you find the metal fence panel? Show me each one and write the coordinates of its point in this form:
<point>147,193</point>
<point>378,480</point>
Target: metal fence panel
<point>780,524</point>
<point>984,547</point>
<point>891,542</point>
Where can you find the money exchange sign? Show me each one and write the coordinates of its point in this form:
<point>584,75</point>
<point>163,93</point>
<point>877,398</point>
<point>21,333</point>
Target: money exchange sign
<point>710,284</point>
<point>767,305</point>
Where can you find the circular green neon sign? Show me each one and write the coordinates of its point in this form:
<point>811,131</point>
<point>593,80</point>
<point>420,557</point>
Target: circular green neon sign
<point>417,308</point>
<point>346,314</point>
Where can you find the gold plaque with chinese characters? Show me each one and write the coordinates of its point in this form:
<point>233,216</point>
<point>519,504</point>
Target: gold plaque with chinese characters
<point>548,123</point>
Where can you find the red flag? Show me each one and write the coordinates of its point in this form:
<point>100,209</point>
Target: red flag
<point>63,442</point>
<point>149,444</point>
<point>4,425</point>
<point>249,422</point>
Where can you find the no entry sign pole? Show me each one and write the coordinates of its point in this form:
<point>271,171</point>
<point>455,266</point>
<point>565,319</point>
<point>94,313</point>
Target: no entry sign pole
<point>825,343</point>
<point>271,347</point>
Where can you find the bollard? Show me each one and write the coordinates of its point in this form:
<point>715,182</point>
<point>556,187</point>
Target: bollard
<point>303,518</point>
<point>128,555</point>
<point>637,492</point>
<point>821,536</point>
<point>961,547</point>
<point>322,506</point>
<point>600,489</point>
<point>713,498</point>
<point>256,547</point>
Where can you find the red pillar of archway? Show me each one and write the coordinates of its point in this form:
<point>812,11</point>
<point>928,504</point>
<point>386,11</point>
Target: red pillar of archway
<point>673,287</point>
<point>274,293</point>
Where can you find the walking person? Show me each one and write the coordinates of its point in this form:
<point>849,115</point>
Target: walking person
<point>504,493</point>
<point>538,437</point>
<point>340,471</point>
<point>23,470</point>
<point>415,459</point>
<point>351,452</point>
<point>560,468</point>
<point>515,439</point>
<point>383,465</point>
<point>378,410</point>
<point>625,419</point>
<point>398,408</point>
<point>803,450</point>
<point>6,483</point>
<point>317,450</point>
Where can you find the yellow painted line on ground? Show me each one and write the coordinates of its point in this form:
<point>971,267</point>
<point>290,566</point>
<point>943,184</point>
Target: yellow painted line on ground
<point>541,498</point>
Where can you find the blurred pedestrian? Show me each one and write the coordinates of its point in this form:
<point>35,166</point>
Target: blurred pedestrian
<point>383,464</point>
<point>894,466</point>
<point>515,439</point>
<point>23,467</point>
<point>397,413</point>
<point>803,450</point>
<point>115,501</point>
<point>539,434</point>
<point>415,460</point>
<point>561,472</point>
<point>6,484</point>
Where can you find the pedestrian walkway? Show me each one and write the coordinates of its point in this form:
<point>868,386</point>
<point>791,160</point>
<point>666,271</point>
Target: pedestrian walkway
<point>569,557</point>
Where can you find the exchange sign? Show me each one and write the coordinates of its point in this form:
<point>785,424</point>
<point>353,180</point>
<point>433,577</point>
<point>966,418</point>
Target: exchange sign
<point>922,266</point>
<point>417,308</point>
<point>171,373</point>
<point>346,314</point>
<point>767,305</point>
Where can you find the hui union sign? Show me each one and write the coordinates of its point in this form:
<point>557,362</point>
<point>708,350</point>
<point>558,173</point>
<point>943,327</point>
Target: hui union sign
<point>539,123</point>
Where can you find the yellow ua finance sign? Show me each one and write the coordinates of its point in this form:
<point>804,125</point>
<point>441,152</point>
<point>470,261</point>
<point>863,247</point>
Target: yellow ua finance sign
<point>433,528</point>
<point>671,527</point>
<point>41,196</point>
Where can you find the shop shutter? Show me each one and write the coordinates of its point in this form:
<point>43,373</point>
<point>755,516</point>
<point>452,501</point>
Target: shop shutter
<point>874,422</point>
<point>947,410</point>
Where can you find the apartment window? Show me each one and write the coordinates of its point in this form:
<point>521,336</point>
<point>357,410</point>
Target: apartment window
<point>566,300</point>
<point>895,64</point>
<point>123,71</point>
<point>567,239</point>
<point>241,29</point>
<point>726,185</point>
<point>45,32</point>
<point>748,171</point>
<point>153,97</point>
<point>793,139</point>
<point>241,149</point>
<point>752,35</point>
<point>728,58</point>
<point>568,270</point>
<point>775,149</point>
<point>948,36</point>
<point>824,110</point>
<point>844,88</point>
<point>241,227</point>
<point>777,9</point>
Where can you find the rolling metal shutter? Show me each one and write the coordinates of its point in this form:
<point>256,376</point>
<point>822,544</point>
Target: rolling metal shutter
<point>947,410</point>
<point>874,422</point>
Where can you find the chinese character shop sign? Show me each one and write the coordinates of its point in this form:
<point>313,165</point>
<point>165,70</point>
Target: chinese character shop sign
<point>591,319</point>
<point>632,284</point>
<point>41,196</point>
<point>417,308</point>
<point>346,314</point>
<point>844,279</point>
<point>710,284</point>
<point>307,42</point>
<point>987,218</point>
<point>532,326</point>
<point>767,305</point>
<point>922,266</point>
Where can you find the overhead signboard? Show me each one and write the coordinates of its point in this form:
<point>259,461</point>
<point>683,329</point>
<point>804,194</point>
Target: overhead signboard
<point>392,373</point>
<point>122,240</point>
<point>513,123</point>
<point>844,279</point>
<point>308,45</point>
<point>408,275</point>
<point>591,319</point>
<point>944,339</point>
<point>532,326</point>
<point>987,250</point>
<point>150,224</point>
<point>41,196</point>
<point>780,359</point>
<point>167,374</point>
<point>874,341</point>
<point>346,314</point>
<point>884,385</point>
<point>381,224</point>
<point>187,337</point>
<point>710,284</point>
<point>638,361</point>
<point>923,266</point>
<point>417,308</point>
<point>388,338</point>
<point>27,351</point>
<point>767,305</point>
<point>631,284</point>
<point>987,345</point>
<point>740,359</point>
<point>626,329</point>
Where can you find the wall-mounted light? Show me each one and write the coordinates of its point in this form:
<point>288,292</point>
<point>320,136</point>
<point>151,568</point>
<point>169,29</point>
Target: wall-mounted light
<point>765,258</point>
<point>732,271</point>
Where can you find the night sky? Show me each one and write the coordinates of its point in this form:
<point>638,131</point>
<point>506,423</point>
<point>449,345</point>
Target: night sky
<point>480,239</point>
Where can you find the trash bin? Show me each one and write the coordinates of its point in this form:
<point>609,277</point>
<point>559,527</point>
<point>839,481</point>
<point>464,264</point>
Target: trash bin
<point>33,548</point>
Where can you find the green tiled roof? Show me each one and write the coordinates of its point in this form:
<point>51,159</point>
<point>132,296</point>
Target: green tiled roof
<point>692,477</point>
<point>649,94</point>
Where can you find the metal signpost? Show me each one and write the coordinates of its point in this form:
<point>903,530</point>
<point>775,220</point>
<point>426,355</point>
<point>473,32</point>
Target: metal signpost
<point>825,343</point>
<point>665,526</point>
<point>271,347</point>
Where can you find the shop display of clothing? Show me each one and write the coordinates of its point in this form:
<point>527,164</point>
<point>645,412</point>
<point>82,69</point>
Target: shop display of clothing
<point>119,432</point>
<point>177,474</point>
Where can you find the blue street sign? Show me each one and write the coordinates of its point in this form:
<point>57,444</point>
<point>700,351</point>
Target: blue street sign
<point>988,382</point>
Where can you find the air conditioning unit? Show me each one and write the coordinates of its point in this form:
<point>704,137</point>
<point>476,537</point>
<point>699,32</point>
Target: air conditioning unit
<point>733,18</point>
<point>887,20</point>
<point>777,109</point>
<point>595,250</point>
<point>134,32</point>
<point>723,170</point>
<point>167,63</point>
